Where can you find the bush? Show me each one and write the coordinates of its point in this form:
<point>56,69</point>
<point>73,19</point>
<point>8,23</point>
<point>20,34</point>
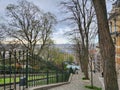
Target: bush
<point>8,69</point>
<point>85,78</point>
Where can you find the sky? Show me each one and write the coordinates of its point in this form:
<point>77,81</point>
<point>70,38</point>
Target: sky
<point>52,6</point>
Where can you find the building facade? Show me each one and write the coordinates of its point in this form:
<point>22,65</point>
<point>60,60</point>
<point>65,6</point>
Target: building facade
<point>114,25</point>
<point>98,60</point>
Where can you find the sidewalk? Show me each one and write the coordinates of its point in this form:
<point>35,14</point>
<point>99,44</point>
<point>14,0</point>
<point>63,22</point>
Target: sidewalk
<point>78,84</point>
<point>101,79</point>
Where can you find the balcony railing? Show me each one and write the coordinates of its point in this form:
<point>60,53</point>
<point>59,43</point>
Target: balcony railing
<point>116,33</point>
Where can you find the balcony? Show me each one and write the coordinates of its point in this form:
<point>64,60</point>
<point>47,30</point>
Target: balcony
<point>115,34</point>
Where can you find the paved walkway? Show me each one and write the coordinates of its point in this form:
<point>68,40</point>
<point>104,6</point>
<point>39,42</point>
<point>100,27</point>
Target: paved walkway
<point>101,79</point>
<point>77,83</point>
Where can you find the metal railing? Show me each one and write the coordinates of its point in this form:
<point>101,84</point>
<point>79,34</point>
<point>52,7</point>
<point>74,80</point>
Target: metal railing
<point>20,70</point>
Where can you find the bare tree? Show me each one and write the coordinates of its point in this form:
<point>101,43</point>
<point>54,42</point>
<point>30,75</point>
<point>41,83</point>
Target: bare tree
<point>12,45</point>
<point>2,37</point>
<point>29,25</point>
<point>106,46</point>
<point>49,21</point>
<point>81,14</point>
<point>78,50</point>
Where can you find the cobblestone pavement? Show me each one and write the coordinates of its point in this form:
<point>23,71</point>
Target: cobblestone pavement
<point>77,83</point>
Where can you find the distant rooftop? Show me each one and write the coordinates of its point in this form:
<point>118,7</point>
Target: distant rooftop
<point>116,4</point>
<point>115,10</point>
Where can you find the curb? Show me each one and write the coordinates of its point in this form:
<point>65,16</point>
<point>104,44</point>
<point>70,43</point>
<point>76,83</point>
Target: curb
<point>46,87</point>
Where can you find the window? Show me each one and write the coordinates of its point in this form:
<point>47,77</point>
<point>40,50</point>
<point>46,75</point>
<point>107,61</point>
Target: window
<point>114,24</point>
<point>110,27</point>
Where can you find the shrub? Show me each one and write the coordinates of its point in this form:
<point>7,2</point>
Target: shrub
<point>85,78</point>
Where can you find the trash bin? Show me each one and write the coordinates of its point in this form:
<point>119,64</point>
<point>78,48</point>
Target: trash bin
<point>22,81</point>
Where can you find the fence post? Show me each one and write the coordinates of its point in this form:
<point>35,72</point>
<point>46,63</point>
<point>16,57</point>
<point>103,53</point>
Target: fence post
<point>10,68</point>
<point>56,76</point>
<point>47,77</point>
<point>63,72</point>
<point>62,77</point>
<point>4,70</point>
<point>27,69</point>
<point>15,71</point>
<point>66,76</point>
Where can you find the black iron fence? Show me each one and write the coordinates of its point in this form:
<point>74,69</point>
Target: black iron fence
<point>20,70</point>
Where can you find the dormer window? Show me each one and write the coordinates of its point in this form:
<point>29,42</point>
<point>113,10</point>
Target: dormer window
<point>118,3</point>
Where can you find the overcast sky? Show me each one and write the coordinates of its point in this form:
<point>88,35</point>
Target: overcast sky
<point>51,6</point>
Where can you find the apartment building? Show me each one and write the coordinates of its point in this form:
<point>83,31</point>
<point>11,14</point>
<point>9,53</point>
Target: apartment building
<point>114,25</point>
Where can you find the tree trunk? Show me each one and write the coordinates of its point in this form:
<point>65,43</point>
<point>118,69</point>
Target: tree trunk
<point>86,71</point>
<point>86,63</point>
<point>91,71</point>
<point>106,46</point>
<point>81,63</point>
<point>84,60</point>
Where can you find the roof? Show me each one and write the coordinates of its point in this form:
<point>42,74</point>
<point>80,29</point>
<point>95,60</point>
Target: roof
<point>117,3</point>
<point>113,15</point>
<point>116,10</point>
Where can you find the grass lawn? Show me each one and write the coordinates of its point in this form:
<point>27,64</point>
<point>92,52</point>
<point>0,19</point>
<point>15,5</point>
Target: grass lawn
<point>33,77</point>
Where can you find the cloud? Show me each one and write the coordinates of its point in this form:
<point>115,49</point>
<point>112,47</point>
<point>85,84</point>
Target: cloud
<point>60,37</point>
<point>109,5</point>
<point>61,31</point>
<point>47,6</point>
<point>60,40</point>
<point>4,3</point>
